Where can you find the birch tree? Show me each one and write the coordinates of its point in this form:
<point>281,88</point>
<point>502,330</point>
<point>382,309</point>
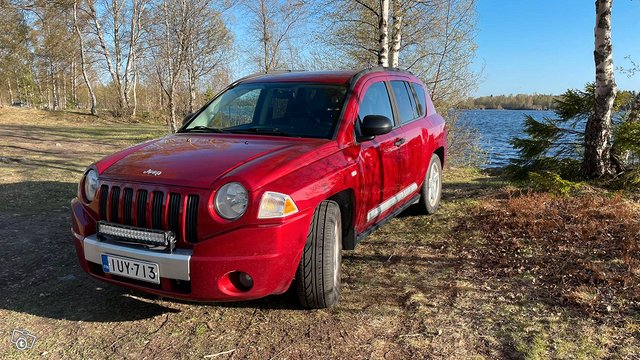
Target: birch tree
<point>208,45</point>
<point>13,46</point>
<point>597,152</point>
<point>273,24</point>
<point>383,34</point>
<point>121,48</point>
<point>432,38</point>
<point>170,52</point>
<point>83,61</point>
<point>396,41</point>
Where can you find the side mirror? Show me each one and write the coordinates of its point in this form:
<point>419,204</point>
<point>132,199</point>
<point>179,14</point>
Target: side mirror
<point>187,118</point>
<point>374,125</point>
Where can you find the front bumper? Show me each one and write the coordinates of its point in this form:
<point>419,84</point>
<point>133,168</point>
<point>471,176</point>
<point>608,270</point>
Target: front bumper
<point>171,266</point>
<point>268,253</point>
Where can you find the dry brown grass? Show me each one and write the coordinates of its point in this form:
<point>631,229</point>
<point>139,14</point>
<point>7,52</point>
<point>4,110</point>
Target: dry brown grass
<point>583,250</point>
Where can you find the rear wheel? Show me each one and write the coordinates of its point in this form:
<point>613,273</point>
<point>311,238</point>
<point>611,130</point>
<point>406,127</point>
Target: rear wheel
<point>318,274</point>
<point>431,191</point>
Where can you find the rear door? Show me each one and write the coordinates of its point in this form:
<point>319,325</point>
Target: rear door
<point>412,135</point>
<point>379,157</point>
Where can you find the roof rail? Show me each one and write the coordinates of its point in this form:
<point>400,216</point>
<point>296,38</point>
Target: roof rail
<point>369,69</point>
<point>263,73</point>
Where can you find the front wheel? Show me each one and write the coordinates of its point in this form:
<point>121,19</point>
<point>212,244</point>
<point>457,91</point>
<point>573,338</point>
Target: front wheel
<point>431,191</point>
<point>318,274</point>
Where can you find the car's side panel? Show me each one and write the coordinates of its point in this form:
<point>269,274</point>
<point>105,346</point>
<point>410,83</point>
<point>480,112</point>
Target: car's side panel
<point>422,137</point>
<point>309,186</point>
<point>378,160</point>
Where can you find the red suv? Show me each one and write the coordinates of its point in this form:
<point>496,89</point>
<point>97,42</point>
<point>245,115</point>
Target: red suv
<point>263,187</point>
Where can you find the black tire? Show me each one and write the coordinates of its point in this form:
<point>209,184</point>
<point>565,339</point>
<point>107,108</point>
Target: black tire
<point>429,201</point>
<point>319,271</point>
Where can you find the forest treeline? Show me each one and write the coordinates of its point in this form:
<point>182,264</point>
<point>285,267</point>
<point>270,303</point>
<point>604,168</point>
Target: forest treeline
<point>533,102</point>
<point>164,58</point>
<point>510,102</point>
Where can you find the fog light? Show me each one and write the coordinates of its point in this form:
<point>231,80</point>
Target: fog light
<point>245,280</point>
<point>235,283</point>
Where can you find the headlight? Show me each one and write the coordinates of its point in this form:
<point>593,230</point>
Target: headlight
<point>90,185</point>
<point>276,205</point>
<point>231,201</point>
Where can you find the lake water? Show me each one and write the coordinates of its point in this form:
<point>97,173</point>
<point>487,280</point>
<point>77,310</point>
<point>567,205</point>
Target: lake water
<point>496,128</point>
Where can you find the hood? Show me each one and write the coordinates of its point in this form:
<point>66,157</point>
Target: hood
<point>197,160</point>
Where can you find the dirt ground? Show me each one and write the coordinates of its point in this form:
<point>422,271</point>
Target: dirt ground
<point>410,291</point>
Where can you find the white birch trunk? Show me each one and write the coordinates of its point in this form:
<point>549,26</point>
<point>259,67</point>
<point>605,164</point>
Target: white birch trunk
<point>83,64</point>
<point>383,34</point>
<point>396,40</point>
<point>74,83</point>
<point>597,152</point>
<point>134,108</point>
<point>10,92</point>
<point>113,71</point>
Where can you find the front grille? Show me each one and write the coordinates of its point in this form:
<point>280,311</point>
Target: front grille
<point>156,210</point>
<point>172,211</point>
<point>104,194</point>
<point>191,227</point>
<point>115,201</point>
<point>142,209</point>
<point>128,206</point>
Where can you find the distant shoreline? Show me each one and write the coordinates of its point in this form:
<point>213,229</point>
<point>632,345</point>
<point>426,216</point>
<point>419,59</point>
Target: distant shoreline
<point>518,108</point>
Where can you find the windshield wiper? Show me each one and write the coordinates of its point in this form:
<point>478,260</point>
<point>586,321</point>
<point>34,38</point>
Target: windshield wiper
<point>201,128</point>
<point>259,130</point>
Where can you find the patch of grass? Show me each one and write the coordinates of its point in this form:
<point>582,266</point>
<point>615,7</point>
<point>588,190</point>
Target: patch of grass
<point>583,250</point>
<point>547,181</point>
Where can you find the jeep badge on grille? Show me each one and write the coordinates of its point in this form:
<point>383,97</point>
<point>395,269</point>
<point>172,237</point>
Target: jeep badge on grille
<point>152,172</point>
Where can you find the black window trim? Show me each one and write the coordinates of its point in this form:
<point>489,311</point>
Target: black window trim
<point>246,80</point>
<point>415,94</point>
<point>395,103</point>
<point>373,81</point>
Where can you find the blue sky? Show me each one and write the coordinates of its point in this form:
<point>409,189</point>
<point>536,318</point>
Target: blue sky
<point>546,46</point>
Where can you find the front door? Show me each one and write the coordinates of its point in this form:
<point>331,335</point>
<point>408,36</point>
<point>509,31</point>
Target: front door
<point>379,157</point>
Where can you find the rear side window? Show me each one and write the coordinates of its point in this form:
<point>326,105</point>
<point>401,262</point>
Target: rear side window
<point>376,102</point>
<point>407,109</point>
<point>421,96</point>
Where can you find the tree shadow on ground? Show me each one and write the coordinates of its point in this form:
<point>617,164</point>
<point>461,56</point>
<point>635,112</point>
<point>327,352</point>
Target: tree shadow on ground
<point>41,275</point>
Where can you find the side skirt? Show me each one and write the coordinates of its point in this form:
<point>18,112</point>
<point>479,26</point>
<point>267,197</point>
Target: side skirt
<point>384,220</point>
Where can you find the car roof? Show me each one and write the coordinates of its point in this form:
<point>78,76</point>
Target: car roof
<point>328,77</point>
<point>332,77</point>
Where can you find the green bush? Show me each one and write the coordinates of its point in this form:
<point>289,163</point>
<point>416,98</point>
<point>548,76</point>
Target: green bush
<point>566,168</point>
<point>547,181</point>
<point>627,139</point>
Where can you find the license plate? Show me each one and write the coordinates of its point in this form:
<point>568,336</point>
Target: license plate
<point>131,268</point>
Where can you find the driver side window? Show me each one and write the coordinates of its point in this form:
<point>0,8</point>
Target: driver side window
<point>375,102</point>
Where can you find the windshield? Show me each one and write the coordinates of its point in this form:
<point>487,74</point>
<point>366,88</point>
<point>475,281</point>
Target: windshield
<point>286,109</point>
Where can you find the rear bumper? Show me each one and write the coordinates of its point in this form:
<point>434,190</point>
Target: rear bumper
<point>268,253</point>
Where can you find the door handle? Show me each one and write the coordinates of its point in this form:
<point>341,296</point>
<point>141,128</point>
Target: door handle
<point>399,141</point>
